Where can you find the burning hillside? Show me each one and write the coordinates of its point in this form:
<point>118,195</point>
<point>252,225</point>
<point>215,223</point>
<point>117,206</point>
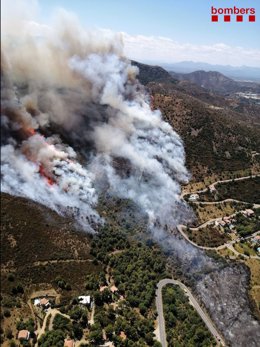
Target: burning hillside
<point>72,108</point>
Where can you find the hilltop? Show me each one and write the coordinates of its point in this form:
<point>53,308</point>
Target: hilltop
<point>217,82</point>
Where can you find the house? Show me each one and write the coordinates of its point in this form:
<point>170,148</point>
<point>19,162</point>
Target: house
<point>69,343</point>
<point>222,223</point>
<point>256,239</point>
<point>84,300</point>
<point>193,197</point>
<point>227,220</point>
<point>248,212</point>
<point>44,303</point>
<point>23,335</point>
<point>37,302</point>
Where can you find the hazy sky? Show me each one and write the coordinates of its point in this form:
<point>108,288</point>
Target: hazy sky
<point>170,30</point>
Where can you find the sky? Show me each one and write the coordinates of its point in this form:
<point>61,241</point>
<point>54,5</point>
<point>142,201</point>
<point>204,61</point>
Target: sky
<point>169,30</point>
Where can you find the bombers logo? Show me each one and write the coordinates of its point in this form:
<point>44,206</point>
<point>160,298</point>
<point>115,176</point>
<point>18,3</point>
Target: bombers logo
<point>239,13</point>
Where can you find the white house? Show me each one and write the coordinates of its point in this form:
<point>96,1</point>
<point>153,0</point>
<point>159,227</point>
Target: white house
<point>84,299</point>
<point>193,197</point>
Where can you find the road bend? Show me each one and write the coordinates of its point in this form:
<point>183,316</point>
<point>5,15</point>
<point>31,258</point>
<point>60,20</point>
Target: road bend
<point>161,322</point>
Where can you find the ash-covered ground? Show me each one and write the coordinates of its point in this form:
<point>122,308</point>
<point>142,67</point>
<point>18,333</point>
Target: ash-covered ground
<point>221,286</point>
<point>225,296</point>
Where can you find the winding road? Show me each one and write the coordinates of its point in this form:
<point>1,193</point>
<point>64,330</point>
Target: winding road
<point>204,316</point>
<point>229,244</point>
<point>159,306</point>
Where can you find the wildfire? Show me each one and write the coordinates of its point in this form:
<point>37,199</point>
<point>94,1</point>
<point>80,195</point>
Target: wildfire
<point>30,131</point>
<point>42,172</point>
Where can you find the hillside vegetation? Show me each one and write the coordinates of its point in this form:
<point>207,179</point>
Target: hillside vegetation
<point>216,138</point>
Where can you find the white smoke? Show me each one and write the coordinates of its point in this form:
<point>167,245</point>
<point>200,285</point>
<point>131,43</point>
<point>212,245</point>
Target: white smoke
<point>76,119</point>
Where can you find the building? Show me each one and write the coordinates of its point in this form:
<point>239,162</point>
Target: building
<point>248,212</point>
<point>222,223</point>
<point>23,335</point>
<point>193,197</point>
<point>44,303</point>
<point>84,300</point>
<point>69,343</point>
<point>256,239</point>
<point>227,220</point>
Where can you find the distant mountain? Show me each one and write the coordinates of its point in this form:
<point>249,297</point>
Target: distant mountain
<point>244,73</point>
<point>217,82</point>
<point>152,73</point>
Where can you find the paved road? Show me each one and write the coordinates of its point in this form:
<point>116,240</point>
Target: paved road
<point>195,304</point>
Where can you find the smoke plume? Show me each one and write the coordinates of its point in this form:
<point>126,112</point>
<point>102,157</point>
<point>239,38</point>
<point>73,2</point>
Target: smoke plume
<point>76,124</point>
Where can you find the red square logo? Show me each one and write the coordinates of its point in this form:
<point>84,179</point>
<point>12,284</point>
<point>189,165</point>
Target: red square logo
<point>239,18</point>
<point>215,18</point>
<point>251,18</point>
<point>226,18</point>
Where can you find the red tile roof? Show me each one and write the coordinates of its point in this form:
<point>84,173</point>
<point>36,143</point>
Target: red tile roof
<point>23,335</point>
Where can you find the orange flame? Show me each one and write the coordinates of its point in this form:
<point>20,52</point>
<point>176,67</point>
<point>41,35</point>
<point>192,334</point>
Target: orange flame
<point>42,172</point>
<point>30,131</point>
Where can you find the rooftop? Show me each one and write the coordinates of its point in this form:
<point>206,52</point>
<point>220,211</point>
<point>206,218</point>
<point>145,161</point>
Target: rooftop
<point>23,335</point>
<point>84,299</point>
